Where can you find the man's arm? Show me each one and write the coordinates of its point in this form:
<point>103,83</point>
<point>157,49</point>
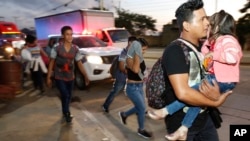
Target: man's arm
<point>193,97</point>
<point>50,68</point>
<point>134,63</point>
<point>82,70</point>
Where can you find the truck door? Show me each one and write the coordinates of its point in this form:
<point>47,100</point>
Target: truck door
<point>103,36</point>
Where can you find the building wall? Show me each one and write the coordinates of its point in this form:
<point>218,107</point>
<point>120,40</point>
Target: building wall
<point>154,41</point>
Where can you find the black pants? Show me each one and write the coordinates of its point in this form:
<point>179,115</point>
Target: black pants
<point>207,133</point>
<point>37,78</point>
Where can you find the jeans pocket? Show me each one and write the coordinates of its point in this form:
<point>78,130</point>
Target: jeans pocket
<point>131,88</point>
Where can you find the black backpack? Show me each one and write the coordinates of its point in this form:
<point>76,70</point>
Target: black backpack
<point>155,86</point>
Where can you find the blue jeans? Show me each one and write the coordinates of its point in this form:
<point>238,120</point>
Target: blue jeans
<point>136,95</point>
<point>194,111</point>
<point>65,89</point>
<point>117,87</point>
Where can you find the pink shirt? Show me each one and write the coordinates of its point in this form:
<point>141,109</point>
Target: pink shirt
<point>226,56</point>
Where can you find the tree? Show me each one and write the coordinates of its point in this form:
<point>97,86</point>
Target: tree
<point>243,24</point>
<point>245,8</point>
<point>136,24</point>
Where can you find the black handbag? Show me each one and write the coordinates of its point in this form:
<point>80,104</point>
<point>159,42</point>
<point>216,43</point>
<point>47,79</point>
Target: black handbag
<point>215,115</point>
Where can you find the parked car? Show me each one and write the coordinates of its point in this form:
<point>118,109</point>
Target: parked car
<point>97,57</point>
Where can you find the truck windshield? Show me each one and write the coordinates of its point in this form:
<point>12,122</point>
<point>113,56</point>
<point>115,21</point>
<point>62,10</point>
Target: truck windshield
<point>119,35</point>
<point>88,41</point>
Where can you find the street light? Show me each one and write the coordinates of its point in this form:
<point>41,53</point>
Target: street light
<point>216,4</point>
<point>100,4</point>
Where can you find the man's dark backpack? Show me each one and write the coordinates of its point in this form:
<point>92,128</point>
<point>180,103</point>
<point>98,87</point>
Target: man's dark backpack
<point>114,66</point>
<point>155,86</point>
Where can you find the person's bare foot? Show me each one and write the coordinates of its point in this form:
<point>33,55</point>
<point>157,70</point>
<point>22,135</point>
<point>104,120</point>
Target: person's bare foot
<point>158,114</point>
<point>179,134</point>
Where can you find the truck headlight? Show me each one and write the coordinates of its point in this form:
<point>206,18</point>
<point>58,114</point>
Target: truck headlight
<point>94,59</point>
<point>9,50</point>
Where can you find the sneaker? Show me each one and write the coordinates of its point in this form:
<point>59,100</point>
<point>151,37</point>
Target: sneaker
<point>106,110</point>
<point>68,117</point>
<point>145,134</point>
<point>122,117</point>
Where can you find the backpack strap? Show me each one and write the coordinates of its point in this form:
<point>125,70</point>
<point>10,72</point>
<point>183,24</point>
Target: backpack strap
<point>196,53</point>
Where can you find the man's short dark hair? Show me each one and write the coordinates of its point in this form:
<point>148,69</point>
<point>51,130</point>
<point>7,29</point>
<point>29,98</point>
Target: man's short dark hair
<point>185,11</point>
<point>143,41</point>
<point>132,38</point>
<point>64,28</point>
<point>30,39</point>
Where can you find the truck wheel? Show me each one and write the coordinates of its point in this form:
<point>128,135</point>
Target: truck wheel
<point>79,80</point>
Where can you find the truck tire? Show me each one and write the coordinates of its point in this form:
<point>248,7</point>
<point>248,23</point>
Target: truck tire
<point>79,80</point>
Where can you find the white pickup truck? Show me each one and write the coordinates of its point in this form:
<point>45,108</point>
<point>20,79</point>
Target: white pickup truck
<point>97,57</point>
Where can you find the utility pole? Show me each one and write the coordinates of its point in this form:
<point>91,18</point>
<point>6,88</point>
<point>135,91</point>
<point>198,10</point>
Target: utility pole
<point>15,19</point>
<point>119,4</point>
<point>101,4</point>
<point>216,4</point>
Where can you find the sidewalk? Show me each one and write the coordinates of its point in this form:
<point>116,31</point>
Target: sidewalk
<point>36,117</point>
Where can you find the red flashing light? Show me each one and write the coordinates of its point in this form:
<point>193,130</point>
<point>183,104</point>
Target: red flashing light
<point>86,32</point>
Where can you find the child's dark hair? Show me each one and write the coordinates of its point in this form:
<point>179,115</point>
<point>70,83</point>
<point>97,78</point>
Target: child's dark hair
<point>65,28</point>
<point>222,23</point>
<point>185,11</point>
<point>142,41</point>
<point>30,39</point>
